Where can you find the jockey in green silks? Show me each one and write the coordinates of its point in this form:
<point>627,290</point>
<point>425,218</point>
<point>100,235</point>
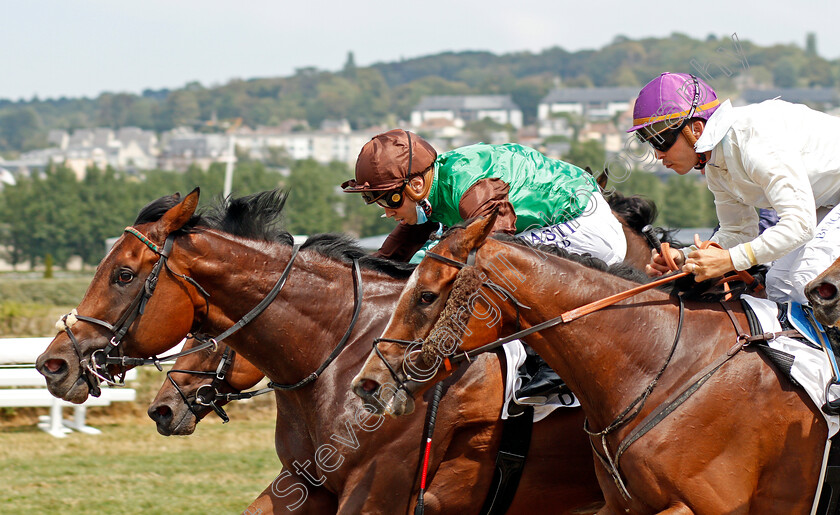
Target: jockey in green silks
<point>539,199</point>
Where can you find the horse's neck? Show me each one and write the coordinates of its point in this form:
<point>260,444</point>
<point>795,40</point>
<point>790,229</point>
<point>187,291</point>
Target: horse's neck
<point>607,357</point>
<point>302,326</point>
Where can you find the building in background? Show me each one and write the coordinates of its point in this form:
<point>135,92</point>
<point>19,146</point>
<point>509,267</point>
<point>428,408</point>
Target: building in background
<point>129,149</point>
<point>334,141</point>
<point>590,103</point>
<point>463,109</point>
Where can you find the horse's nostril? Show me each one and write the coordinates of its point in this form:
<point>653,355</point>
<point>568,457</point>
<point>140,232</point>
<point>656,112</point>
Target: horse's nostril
<point>54,366</point>
<point>826,291</point>
<point>164,411</point>
<point>369,385</point>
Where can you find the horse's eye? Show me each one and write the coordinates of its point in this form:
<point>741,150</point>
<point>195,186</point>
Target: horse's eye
<point>427,297</point>
<point>125,276</point>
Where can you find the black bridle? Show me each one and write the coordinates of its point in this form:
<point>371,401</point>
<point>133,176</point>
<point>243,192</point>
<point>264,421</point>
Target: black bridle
<point>95,370</point>
<point>210,395</point>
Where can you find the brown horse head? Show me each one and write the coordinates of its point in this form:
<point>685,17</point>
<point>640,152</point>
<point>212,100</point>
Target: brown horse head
<point>177,408</point>
<point>823,295</point>
<point>117,288</point>
<point>391,377</point>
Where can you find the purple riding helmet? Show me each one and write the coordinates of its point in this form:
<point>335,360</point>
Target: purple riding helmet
<point>667,103</point>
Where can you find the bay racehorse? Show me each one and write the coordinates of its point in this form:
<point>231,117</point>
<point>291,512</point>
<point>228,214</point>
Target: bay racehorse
<point>175,274</point>
<point>745,442</point>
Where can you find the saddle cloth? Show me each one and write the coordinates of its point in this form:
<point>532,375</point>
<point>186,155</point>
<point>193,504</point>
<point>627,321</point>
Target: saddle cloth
<point>809,364</point>
<point>514,358</point>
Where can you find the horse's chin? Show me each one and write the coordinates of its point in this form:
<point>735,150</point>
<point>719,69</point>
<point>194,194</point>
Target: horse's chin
<point>76,392</point>
<point>400,406</point>
<point>828,316</point>
<point>184,426</point>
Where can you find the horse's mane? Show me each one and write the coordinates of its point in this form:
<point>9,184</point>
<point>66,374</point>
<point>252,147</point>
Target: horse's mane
<point>343,248</point>
<point>618,269</point>
<point>255,216</point>
<point>705,291</point>
<point>638,212</point>
<point>258,216</point>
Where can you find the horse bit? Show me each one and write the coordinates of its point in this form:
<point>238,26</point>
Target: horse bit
<point>95,370</point>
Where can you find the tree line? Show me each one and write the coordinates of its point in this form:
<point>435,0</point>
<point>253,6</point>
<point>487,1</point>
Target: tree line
<point>54,216</point>
<point>385,92</point>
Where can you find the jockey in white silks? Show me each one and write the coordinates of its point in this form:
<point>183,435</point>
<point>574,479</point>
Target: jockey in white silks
<point>769,155</point>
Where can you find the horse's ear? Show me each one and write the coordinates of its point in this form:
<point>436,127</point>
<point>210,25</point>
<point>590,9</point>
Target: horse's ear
<point>600,179</point>
<point>479,229</point>
<point>603,178</point>
<point>179,214</point>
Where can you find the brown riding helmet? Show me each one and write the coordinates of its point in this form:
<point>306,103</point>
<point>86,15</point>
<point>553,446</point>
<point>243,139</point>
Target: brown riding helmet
<point>388,160</point>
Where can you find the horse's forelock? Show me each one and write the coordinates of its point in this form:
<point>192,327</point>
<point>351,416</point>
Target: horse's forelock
<point>453,319</point>
<point>154,210</point>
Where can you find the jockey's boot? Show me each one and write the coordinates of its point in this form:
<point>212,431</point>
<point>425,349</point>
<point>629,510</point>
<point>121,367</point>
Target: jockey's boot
<point>543,384</point>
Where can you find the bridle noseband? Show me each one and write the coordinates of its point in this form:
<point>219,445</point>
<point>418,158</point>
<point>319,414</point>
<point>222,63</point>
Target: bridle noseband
<point>210,395</point>
<point>95,369</point>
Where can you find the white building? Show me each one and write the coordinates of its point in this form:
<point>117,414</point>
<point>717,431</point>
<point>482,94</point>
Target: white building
<point>463,109</point>
<point>130,148</point>
<point>589,103</point>
<point>183,147</point>
<point>335,142</point>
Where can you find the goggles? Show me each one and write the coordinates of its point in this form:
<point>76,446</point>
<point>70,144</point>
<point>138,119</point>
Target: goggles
<point>662,135</point>
<point>663,139</point>
<point>392,199</point>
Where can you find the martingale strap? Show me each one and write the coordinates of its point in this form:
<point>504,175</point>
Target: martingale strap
<point>631,412</point>
<point>358,293</point>
<point>676,398</point>
<point>247,318</point>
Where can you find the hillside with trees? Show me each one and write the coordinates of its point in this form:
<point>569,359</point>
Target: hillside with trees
<point>386,92</point>
<point>54,216</point>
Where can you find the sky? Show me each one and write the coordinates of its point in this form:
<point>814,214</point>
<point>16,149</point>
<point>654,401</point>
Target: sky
<point>75,48</point>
